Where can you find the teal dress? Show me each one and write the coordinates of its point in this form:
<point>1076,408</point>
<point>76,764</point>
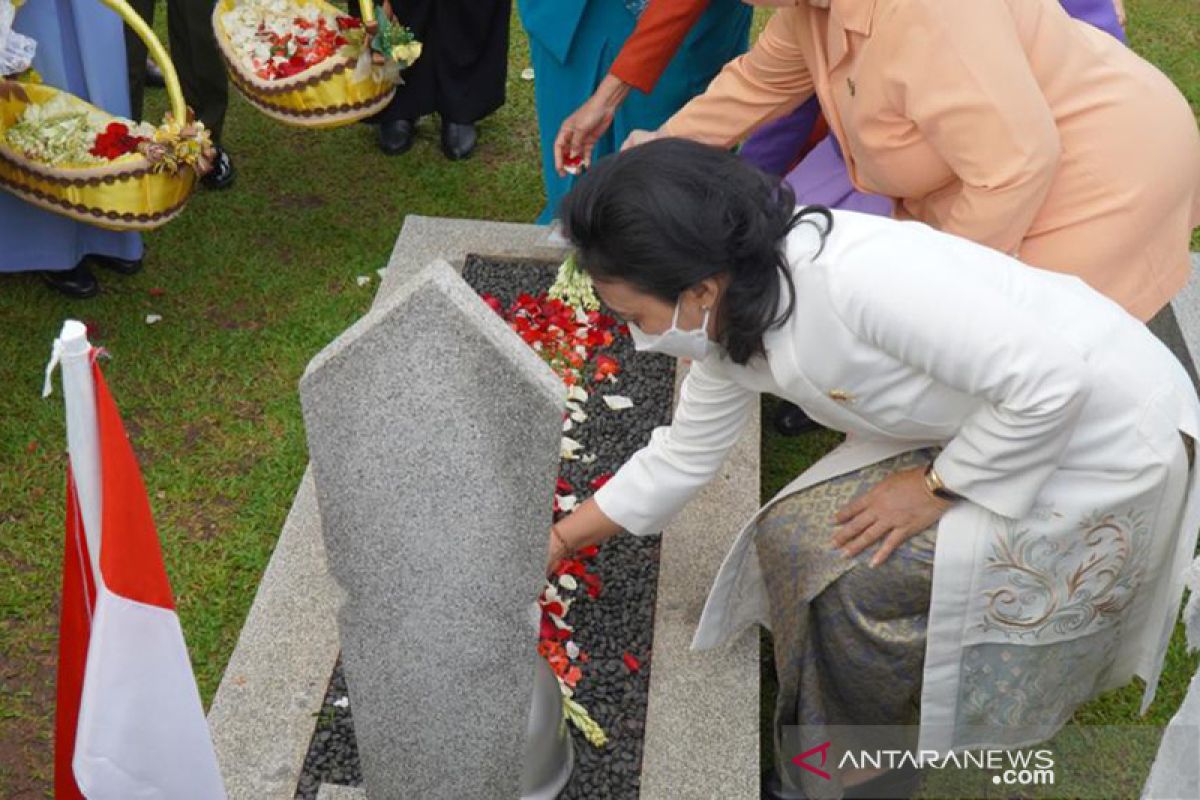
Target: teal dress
<point>81,48</point>
<point>573,43</point>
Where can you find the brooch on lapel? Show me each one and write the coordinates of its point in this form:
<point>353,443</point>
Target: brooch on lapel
<point>841,396</point>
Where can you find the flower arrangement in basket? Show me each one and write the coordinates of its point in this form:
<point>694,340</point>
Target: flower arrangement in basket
<point>305,63</point>
<point>67,156</point>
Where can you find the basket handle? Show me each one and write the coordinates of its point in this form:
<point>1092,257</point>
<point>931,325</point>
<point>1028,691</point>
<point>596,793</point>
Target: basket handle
<point>159,53</point>
<point>367,9</point>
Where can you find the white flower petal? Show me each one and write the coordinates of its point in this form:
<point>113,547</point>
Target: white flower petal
<point>590,458</point>
<point>363,280</point>
<point>617,402</point>
<point>572,650</point>
<point>578,394</point>
<point>567,502</point>
<point>567,424</point>
<point>527,74</point>
<point>568,582</point>
<point>343,702</point>
<point>153,318</point>
<point>568,448</point>
<point>560,623</point>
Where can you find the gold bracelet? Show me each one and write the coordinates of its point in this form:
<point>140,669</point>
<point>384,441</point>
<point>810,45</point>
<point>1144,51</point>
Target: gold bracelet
<point>935,487</point>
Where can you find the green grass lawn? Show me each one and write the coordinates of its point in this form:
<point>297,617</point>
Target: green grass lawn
<point>251,283</point>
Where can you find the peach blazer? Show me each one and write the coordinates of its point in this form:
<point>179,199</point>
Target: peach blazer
<point>1003,121</point>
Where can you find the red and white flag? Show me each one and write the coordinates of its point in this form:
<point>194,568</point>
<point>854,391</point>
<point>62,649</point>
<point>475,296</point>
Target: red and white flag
<point>129,721</point>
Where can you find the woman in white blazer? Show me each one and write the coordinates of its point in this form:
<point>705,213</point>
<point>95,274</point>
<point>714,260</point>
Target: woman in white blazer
<point>1003,534</point>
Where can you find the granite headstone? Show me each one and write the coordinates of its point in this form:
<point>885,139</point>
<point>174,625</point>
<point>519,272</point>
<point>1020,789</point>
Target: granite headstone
<point>434,435</point>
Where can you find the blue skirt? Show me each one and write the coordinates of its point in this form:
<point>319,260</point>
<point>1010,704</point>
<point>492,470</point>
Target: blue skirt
<point>562,85</point>
<point>33,239</point>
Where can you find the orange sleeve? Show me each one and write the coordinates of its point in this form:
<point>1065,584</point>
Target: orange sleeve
<point>768,82</point>
<point>661,29</point>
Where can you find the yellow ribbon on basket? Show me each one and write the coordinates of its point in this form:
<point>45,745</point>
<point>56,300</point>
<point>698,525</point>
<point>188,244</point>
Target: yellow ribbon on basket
<point>336,93</point>
<point>125,194</point>
<point>128,193</point>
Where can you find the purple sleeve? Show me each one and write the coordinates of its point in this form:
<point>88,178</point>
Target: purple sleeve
<point>1100,13</point>
<point>774,147</point>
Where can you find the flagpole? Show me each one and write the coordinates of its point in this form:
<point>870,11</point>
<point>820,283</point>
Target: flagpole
<point>83,433</point>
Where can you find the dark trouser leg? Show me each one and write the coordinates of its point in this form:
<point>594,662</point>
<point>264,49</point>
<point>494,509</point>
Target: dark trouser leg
<point>135,56</point>
<point>472,58</point>
<point>198,61</point>
<point>416,97</point>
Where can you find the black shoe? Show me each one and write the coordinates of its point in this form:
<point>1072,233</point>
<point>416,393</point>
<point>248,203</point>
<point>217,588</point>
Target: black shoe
<point>222,174</point>
<point>790,420</point>
<point>154,76</point>
<point>458,140</point>
<point>121,266</point>
<point>77,282</point>
<point>396,136</point>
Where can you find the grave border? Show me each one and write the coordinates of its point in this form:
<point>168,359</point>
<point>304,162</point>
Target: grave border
<point>702,727</point>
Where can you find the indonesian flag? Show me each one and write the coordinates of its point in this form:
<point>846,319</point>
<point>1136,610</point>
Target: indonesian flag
<point>129,722</point>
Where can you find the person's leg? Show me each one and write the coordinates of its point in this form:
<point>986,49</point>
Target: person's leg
<point>471,67</point>
<point>415,95</point>
<point>202,76</point>
<point>198,61</point>
<point>848,640</point>
<point>135,57</point>
<point>472,62</point>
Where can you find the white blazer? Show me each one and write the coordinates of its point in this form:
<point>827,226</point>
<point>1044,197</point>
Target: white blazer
<point>1059,415</point>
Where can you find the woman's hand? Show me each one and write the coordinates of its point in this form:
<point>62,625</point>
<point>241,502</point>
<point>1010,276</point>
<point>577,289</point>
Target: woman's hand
<point>641,137</point>
<point>556,550</point>
<point>895,510</point>
<point>585,526</point>
<point>579,133</point>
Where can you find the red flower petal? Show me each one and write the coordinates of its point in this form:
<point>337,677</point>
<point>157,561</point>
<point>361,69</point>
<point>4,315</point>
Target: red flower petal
<point>588,552</point>
<point>493,303</point>
<point>554,608</point>
<point>631,662</point>
<point>599,481</point>
<point>564,486</point>
<point>562,634</point>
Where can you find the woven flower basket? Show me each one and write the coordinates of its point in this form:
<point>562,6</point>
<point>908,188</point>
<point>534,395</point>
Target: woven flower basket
<point>329,94</point>
<point>130,193</point>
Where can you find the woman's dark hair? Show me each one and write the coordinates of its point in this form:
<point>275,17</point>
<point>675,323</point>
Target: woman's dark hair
<point>670,213</point>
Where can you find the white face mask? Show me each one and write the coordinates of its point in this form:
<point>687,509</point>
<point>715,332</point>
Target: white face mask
<point>692,344</point>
